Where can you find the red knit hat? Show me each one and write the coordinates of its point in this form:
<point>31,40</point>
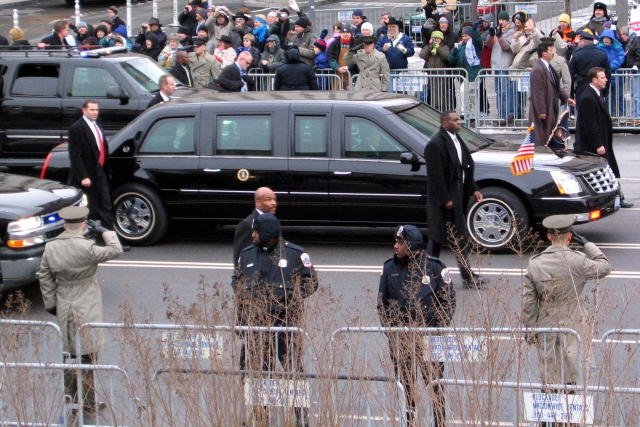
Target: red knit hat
<point>321,44</point>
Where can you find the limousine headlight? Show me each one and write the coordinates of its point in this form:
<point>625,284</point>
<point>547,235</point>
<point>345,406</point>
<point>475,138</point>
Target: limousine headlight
<point>566,182</point>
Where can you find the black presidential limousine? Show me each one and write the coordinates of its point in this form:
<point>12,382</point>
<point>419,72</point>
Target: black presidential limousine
<point>333,158</point>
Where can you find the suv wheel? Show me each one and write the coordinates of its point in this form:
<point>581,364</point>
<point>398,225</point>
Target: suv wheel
<point>141,218</point>
<point>493,223</point>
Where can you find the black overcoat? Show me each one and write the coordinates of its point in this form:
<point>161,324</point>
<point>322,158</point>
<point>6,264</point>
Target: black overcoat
<point>444,183</point>
<point>594,128</point>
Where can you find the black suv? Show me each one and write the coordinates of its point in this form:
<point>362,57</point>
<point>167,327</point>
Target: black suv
<point>333,158</point>
<point>41,94</point>
<point>28,219</point>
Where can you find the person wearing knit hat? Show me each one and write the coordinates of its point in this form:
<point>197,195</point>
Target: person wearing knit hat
<point>519,19</point>
<point>115,19</point>
<point>336,53</point>
<point>598,19</point>
<point>503,15</point>
<point>260,31</point>
<point>467,53</point>
<point>322,63</point>
<point>499,44</point>
<point>357,19</point>
<point>435,54</point>
<point>367,29</point>
<point>561,33</point>
<point>304,39</point>
<point>415,290</point>
<point>444,24</point>
<point>320,44</point>
<point>271,279</point>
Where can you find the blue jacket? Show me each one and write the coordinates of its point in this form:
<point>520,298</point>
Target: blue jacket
<point>395,58</point>
<point>615,52</point>
<point>321,60</point>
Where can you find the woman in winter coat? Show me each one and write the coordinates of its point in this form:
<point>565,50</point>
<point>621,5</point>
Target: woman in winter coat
<point>616,54</point>
<point>440,89</point>
<point>467,53</point>
<point>519,19</point>
<point>260,32</point>
<point>225,53</point>
<point>219,24</point>
<point>151,47</point>
<point>372,65</point>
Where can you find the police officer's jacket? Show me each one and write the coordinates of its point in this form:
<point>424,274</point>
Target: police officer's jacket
<point>416,289</point>
<point>282,272</point>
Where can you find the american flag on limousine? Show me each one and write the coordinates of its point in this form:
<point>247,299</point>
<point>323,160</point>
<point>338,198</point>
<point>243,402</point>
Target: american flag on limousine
<point>523,161</point>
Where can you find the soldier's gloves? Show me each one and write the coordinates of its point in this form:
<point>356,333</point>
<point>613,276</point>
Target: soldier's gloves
<point>52,311</point>
<point>492,31</point>
<point>634,69</point>
<point>357,48</point>
<point>499,31</point>
<point>581,240</point>
<point>95,226</point>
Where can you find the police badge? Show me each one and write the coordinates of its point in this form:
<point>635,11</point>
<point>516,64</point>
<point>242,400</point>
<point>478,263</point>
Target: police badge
<point>426,279</point>
<point>446,277</point>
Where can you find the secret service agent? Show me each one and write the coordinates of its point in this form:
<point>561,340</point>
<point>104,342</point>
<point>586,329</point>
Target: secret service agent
<point>416,291</point>
<point>553,285</point>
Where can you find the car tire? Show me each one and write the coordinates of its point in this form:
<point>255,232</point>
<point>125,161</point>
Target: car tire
<point>141,217</point>
<point>498,220</point>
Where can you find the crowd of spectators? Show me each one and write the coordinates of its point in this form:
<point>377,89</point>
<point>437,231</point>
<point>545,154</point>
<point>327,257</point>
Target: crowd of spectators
<point>213,39</point>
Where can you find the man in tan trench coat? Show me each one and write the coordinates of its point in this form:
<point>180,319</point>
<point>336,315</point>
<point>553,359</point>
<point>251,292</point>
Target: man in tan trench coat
<point>552,292</point>
<point>71,292</point>
<point>373,66</point>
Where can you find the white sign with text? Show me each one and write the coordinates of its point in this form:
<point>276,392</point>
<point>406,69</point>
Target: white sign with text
<point>277,392</point>
<point>189,345</point>
<point>452,348</point>
<point>567,408</point>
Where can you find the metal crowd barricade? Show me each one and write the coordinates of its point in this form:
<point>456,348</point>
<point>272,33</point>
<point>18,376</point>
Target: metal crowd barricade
<point>413,17</point>
<point>320,394</point>
<point>144,348</point>
<point>30,340</point>
<point>37,396</point>
<point>264,81</point>
<point>507,99</point>
<point>623,100</point>
<point>470,354</point>
<point>328,80</point>
<point>443,89</point>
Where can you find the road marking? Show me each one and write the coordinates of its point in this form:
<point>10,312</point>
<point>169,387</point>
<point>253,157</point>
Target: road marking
<point>330,268</point>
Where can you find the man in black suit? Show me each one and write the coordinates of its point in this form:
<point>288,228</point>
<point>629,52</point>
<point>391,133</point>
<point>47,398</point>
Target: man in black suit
<point>181,70</point>
<point>450,185</point>
<point>234,77</point>
<point>594,128</point>
<point>89,157</point>
<point>167,86</point>
<point>266,202</point>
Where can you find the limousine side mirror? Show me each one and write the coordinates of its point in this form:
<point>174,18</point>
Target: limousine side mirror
<point>410,158</point>
<point>116,92</point>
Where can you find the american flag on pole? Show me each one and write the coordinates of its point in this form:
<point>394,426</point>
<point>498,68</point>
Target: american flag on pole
<point>523,161</point>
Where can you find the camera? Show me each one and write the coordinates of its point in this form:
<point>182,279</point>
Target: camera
<point>491,25</point>
<point>282,15</point>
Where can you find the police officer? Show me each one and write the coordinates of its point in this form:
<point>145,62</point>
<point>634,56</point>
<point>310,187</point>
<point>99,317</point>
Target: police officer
<point>552,291</point>
<point>271,279</point>
<point>416,291</point>
<point>71,292</point>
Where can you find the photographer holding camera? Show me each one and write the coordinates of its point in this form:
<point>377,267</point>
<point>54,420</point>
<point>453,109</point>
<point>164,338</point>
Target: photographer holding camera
<point>187,17</point>
<point>283,26</point>
<point>153,26</point>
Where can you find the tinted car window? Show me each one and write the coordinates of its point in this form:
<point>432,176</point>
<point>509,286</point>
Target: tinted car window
<point>310,136</point>
<point>91,82</point>
<point>365,139</point>
<point>427,122</point>
<point>249,135</point>
<point>144,72</point>
<point>170,136</point>
<point>36,80</point>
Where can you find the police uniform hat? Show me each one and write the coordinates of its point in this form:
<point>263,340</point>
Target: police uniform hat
<point>587,34</point>
<point>369,39</point>
<point>267,226</point>
<point>411,235</point>
<point>547,40</point>
<point>559,224</point>
<point>74,214</point>
<point>198,41</point>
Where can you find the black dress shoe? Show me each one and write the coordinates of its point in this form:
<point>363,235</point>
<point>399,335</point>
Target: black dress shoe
<point>626,205</point>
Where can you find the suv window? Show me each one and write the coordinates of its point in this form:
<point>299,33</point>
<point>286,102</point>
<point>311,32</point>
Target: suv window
<point>249,135</point>
<point>144,72</point>
<point>310,136</point>
<point>36,80</point>
<point>365,139</point>
<point>91,82</point>
<point>170,136</point>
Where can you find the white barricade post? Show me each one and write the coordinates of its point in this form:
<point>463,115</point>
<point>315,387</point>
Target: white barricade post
<point>16,22</point>
<point>129,24</point>
<point>77,11</point>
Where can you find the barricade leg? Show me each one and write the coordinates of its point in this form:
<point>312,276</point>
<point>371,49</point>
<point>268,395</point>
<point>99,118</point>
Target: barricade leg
<point>635,96</point>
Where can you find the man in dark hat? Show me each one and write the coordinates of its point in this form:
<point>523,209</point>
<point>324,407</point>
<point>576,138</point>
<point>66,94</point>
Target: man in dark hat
<point>396,46</point>
<point>552,291</point>
<point>583,59</point>
<point>304,39</point>
<point>71,292</point>
<point>415,290</point>
<point>271,280</point>
<point>599,17</point>
<point>204,67</point>
<point>154,26</point>
<point>241,26</point>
